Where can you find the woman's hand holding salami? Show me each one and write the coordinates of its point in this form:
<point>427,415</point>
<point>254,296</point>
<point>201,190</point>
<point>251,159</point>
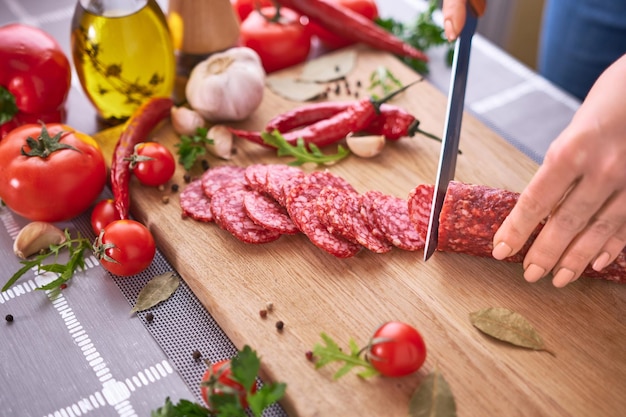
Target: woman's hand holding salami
<point>581,186</point>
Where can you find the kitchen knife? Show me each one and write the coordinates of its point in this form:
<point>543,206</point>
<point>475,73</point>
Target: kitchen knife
<point>454,115</point>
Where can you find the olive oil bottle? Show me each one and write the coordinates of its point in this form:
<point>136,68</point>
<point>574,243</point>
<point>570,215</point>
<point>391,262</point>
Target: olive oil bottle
<point>123,55</point>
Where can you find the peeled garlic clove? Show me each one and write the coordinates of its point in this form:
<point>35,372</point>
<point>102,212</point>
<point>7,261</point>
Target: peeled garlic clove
<point>365,146</point>
<point>186,121</point>
<point>222,146</point>
<point>35,237</point>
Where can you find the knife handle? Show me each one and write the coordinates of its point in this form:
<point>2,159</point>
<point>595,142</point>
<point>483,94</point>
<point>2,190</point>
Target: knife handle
<point>478,7</point>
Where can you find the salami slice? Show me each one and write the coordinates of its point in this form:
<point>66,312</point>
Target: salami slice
<point>256,176</point>
<point>229,213</point>
<point>221,176</point>
<point>194,203</point>
<point>367,212</point>
<point>329,206</point>
<point>391,215</point>
<point>470,216</point>
<point>300,204</point>
<point>419,202</point>
<point>265,211</point>
<point>359,227</point>
<point>279,180</point>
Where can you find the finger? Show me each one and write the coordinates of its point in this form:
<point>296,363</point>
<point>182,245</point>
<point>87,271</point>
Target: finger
<point>453,18</point>
<point>581,224</point>
<point>611,250</point>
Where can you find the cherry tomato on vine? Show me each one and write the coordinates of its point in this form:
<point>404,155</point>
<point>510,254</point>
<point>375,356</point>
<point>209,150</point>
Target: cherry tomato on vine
<point>396,349</point>
<point>125,247</point>
<point>102,214</point>
<point>281,41</point>
<point>50,172</point>
<point>217,381</point>
<point>152,163</point>
<point>328,39</point>
<point>244,7</point>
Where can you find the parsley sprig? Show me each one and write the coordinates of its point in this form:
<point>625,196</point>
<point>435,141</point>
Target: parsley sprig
<point>76,248</point>
<point>330,352</point>
<point>244,369</point>
<point>303,153</point>
<point>190,148</point>
<point>422,34</point>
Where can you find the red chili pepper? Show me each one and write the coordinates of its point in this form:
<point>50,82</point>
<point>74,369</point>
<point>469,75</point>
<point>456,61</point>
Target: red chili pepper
<point>393,122</point>
<point>35,77</point>
<point>351,25</point>
<point>355,118</point>
<point>137,128</point>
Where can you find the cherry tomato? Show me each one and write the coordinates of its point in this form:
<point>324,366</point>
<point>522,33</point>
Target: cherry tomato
<point>102,214</point>
<point>331,41</point>
<point>152,163</point>
<point>244,7</point>
<point>217,380</point>
<point>396,349</point>
<point>281,43</point>
<point>125,247</point>
<point>50,172</point>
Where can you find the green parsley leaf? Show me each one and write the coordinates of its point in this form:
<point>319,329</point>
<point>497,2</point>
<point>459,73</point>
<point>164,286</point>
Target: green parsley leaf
<point>190,148</point>
<point>184,408</point>
<point>302,152</point>
<point>331,352</point>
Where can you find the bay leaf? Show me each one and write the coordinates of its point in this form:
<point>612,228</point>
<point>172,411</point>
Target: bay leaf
<point>158,289</point>
<point>507,326</point>
<point>433,398</point>
<point>329,67</point>
<point>293,89</point>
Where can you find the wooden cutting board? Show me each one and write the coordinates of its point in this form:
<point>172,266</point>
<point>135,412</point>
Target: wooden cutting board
<point>313,292</point>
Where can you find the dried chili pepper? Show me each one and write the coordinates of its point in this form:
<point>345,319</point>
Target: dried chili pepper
<point>143,120</point>
<point>393,122</point>
<point>354,118</point>
<point>351,25</point>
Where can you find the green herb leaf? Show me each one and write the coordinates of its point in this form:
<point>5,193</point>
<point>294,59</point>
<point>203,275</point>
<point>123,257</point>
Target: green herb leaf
<point>331,352</point>
<point>433,398</point>
<point>507,326</point>
<point>302,152</point>
<point>190,148</point>
<point>76,248</point>
<point>158,289</point>
<point>8,108</point>
<point>183,408</point>
<point>383,78</point>
<point>422,34</point>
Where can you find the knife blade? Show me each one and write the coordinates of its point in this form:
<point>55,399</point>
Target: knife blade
<point>452,130</point>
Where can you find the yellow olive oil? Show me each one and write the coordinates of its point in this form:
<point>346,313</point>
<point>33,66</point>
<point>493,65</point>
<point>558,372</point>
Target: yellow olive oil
<point>123,54</point>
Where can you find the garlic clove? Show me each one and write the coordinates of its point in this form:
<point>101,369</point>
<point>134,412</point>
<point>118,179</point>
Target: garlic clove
<point>35,237</point>
<point>186,121</point>
<point>222,146</point>
<point>365,146</point>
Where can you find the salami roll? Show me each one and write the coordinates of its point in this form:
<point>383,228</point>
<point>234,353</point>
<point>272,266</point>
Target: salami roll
<point>229,213</point>
<point>470,217</point>
<point>194,203</point>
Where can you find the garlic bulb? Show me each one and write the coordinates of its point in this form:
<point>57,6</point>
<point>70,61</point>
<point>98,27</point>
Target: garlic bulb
<point>227,86</point>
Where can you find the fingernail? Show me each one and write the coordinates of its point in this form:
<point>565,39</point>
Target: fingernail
<point>448,28</point>
<point>563,277</point>
<point>601,261</point>
<point>534,273</point>
<point>501,251</point>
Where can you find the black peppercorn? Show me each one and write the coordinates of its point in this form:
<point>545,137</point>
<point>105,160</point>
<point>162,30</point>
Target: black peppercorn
<point>9,318</point>
<point>149,317</point>
<point>280,325</point>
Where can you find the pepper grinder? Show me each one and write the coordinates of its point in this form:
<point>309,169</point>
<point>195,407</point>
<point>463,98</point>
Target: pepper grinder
<point>198,29</point>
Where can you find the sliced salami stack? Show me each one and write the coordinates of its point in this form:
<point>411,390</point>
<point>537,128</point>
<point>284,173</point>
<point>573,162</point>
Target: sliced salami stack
<point>470,217</point>
<point>260,203</point>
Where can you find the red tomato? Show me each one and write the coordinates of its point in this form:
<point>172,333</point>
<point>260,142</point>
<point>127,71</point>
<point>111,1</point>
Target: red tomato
<point>102,214</point>
<point>58,184</point>
<point>125,247</point>
<point>244,7</point>
<point>397,349</point>
<point>328,39</point>
<point>152,163</point>
<point>217,380</point>
<point>280,44</point>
